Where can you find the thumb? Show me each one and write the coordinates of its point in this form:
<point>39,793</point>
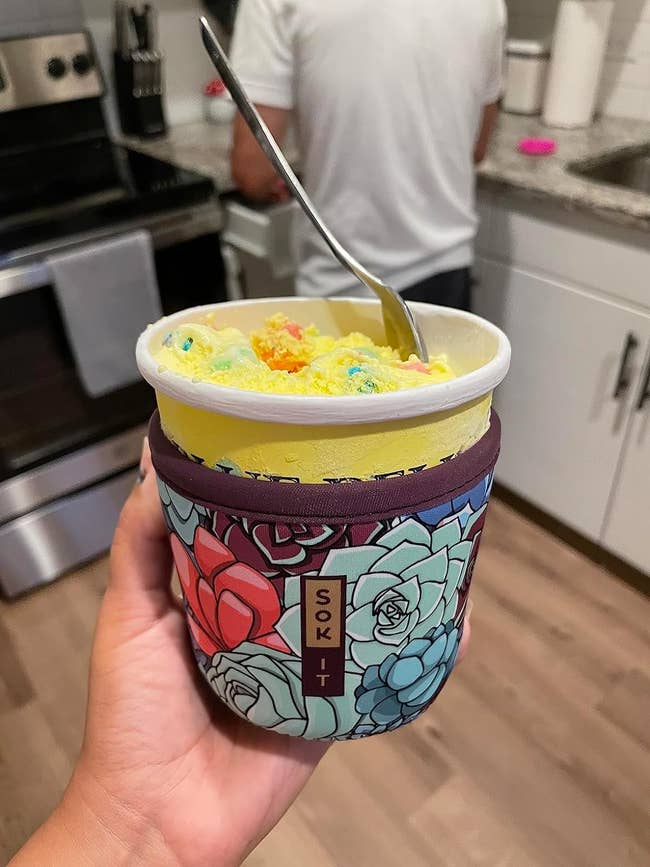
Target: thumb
<point>140,554</point>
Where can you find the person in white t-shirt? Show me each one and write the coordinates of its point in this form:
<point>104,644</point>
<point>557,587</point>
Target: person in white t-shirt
<point>393,103</point>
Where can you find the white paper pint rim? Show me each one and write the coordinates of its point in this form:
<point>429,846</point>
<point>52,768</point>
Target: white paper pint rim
<point>327,410</point>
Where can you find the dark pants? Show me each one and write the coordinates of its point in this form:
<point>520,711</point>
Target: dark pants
<point>451,289</point>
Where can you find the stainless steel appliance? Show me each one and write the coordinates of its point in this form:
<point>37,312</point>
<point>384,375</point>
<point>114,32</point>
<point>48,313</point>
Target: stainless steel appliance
<point>67,460</point>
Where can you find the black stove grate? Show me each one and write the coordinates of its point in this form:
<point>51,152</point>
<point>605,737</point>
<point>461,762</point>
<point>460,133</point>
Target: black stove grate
<point>83,186</point>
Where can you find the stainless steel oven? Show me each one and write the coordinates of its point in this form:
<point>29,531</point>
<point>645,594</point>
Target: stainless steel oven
<point>67,460</point>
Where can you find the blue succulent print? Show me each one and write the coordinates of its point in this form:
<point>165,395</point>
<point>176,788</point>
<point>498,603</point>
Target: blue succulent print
<point>462,507</point>
<point>400,689</point>
<point>182,515</point>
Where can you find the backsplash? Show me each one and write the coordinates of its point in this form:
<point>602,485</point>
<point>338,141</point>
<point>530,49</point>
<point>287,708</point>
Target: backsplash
<point>625,90</point>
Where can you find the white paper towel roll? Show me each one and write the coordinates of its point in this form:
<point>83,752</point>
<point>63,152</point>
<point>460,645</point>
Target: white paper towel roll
<point>579,44</point>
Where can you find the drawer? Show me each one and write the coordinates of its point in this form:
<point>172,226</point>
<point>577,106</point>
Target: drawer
<point>265,232</point>
<point>35,488</point>
<point>38,547</point>
<point>576,248</point>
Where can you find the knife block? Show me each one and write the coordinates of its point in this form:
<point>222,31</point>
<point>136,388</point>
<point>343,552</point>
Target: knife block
<point>140,108</point>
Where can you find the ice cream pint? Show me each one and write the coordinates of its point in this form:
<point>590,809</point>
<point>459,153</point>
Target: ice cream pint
<point>325,438</point>
<point>325,544</point>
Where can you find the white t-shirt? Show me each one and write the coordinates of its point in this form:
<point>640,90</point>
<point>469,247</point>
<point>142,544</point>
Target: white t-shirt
<point>388,97</point>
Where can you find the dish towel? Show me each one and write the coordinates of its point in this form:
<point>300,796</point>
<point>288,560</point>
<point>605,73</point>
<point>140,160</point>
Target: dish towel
<point>107,293</point>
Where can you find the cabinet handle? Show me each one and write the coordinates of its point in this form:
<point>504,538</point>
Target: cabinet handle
<point>624,379</point>
<point>644,397</point>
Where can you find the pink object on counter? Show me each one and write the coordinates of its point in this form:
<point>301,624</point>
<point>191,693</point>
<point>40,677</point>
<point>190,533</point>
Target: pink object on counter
<point>216,87</point>
<point>537,147</point>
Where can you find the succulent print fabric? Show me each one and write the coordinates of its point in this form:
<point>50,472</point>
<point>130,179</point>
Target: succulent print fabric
<point>279,550</point>
<point>399,588</point>
<point>228,602</point>
<point>406,583</point>
<point>461,508</point>
<point>397,691</point>
<point>182,515</point>
<point>266,689</point>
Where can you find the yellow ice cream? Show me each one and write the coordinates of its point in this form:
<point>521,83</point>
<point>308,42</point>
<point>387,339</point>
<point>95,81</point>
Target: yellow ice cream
<point>287,358</point>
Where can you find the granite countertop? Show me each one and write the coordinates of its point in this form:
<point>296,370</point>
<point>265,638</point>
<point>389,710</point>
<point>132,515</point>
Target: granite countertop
<point>201,147</point>
<point>205,148</point>
<point>548,178</point>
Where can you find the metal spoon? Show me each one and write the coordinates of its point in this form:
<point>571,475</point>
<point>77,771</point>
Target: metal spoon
<point>401,329</point>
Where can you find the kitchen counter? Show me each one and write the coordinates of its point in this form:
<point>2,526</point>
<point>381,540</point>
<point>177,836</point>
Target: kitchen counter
<point>201,147</point>
<point>548,178</point>
<point>205,148</point>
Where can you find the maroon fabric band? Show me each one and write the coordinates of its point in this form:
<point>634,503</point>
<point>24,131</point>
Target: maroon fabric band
<point>347,503</point>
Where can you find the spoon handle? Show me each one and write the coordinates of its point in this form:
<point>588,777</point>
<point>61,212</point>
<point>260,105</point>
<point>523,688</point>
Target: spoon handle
<point>272,150</point>
<point>401,328</point>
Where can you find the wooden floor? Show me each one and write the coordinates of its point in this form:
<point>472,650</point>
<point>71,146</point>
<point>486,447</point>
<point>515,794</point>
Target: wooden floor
<point>537,753</point>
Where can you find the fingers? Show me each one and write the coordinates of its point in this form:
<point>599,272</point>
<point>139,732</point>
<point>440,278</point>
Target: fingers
<point>140,555</point>
<point>146,464</point>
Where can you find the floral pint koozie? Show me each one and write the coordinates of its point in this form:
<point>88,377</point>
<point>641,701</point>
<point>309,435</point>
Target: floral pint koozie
<point>326,611</point>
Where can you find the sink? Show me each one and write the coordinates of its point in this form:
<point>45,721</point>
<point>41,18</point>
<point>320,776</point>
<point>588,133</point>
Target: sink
<point>628,168</point>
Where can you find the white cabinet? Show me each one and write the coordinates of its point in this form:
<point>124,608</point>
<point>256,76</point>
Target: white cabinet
<point>577,249</point>
<point>564,431</point>
<point>627,527</point>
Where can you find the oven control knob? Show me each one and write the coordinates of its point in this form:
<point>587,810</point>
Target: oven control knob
<point>82,63</point>
<point>56,67</point>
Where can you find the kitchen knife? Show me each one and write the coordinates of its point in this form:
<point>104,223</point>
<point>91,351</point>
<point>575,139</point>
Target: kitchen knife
<point>122,30</point>
<point>150,26</point>
<point>150,37</point>
<point>140,24</point>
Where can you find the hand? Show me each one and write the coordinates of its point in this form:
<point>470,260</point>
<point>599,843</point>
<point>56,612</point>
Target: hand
<point>166,774</point>
<point>280,192</point>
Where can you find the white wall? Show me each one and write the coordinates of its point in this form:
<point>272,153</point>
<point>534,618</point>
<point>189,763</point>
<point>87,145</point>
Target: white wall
<point>625,90</point>
<point>187,66</point>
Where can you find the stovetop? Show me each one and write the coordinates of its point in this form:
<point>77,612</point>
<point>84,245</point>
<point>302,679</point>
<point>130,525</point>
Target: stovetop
<point>54,192</point>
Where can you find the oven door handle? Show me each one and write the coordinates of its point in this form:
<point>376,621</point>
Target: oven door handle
<point>165,231</point>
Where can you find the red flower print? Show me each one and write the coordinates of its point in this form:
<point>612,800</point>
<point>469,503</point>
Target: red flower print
<point>281,550</point>
<point>229,602</point>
